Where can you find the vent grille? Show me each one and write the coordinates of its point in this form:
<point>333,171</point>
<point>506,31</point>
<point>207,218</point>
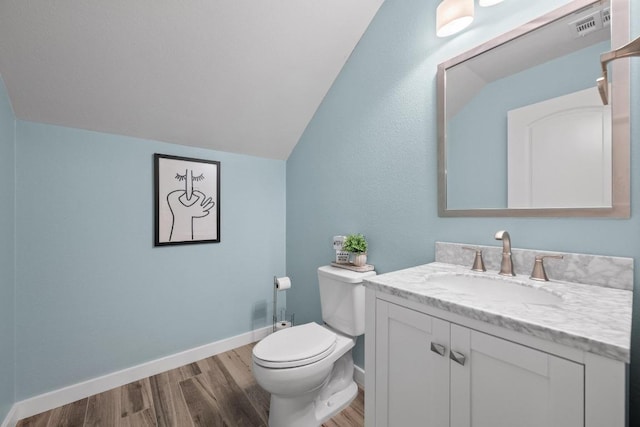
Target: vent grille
<point>588,24</point>
<point>606,16</point>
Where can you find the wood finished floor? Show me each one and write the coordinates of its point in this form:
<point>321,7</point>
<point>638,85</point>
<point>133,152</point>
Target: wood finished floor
<point>218,391</point>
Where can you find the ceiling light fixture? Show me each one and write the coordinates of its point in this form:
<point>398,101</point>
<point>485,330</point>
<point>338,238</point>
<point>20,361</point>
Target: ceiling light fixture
<point>453,16</point>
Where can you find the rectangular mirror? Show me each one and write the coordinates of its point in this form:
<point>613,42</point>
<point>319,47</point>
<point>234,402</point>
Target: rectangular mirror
<point>522,130</point>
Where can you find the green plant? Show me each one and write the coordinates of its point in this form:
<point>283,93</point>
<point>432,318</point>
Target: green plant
<point>355,243</point>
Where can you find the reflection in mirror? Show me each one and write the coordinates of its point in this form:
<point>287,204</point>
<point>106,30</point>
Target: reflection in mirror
<point>522,128</point>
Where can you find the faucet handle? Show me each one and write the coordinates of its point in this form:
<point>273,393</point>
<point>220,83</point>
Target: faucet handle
<point>478,262</point>
<point>538,272</point>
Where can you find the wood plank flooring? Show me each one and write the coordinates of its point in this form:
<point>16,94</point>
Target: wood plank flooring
<point>218,391</point>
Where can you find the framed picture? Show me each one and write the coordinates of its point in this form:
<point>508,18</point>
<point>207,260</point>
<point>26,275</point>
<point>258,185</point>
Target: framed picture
<point>187,200</point>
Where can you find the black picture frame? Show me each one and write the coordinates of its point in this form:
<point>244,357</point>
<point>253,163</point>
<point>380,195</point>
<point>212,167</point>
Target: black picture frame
<point>187,200</point>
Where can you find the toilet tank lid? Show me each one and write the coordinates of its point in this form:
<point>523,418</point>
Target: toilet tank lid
<point>344,275</point>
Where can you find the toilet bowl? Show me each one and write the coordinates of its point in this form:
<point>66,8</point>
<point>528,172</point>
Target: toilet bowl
<point>308,370</point>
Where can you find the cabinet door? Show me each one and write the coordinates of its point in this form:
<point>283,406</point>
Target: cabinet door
<point>503,384</point>
<point>411,380</point>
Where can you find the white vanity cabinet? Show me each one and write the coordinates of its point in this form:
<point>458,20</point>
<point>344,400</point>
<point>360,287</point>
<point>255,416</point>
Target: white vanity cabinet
<point>411,381</point>
<point>428,367</point>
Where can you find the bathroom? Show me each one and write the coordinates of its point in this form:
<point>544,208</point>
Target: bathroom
<point>84,293</point>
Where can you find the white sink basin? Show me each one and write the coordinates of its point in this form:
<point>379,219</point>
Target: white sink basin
<point>493,288</point>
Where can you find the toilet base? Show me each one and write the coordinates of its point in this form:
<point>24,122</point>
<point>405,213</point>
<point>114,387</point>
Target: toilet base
<point>286,412</point>
<point>317,406</point>
<point>336,403</point>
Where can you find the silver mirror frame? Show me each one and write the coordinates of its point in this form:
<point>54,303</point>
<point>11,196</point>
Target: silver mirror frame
<point>621,133</point>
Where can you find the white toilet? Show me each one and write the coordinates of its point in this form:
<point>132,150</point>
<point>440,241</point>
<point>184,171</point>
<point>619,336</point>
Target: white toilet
<point>308,369</point>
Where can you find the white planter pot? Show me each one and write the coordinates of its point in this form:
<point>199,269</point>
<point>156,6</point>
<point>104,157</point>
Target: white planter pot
<point>359,259</point>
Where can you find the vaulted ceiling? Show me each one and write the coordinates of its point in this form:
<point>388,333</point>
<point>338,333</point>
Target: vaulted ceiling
<point>243,76</point>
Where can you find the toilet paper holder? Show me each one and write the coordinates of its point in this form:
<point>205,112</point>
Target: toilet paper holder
<point>280,284</point>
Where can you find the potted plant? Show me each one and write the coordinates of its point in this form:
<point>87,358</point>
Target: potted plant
<point>357,245</point>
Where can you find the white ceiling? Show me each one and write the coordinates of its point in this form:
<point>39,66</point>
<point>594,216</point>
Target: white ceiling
<point>244,76</point>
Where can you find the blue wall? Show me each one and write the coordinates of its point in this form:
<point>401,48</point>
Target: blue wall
<point>93,295</point>
<point>7,252</point>
<point>367,161</point>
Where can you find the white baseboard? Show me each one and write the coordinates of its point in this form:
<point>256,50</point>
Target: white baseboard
<point>358,375</point>
<point>66,395</point>
<point>11,419</point>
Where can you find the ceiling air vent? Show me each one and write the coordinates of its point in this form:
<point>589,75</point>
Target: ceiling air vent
<point>587,24</point>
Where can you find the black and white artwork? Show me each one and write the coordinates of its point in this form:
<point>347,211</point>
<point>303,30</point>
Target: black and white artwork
<point>187,198</point>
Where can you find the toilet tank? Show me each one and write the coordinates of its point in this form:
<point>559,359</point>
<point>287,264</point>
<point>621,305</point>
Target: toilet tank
<point>342,298</point>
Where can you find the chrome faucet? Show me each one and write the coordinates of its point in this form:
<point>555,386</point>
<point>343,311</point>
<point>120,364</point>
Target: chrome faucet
<point>506,266</point>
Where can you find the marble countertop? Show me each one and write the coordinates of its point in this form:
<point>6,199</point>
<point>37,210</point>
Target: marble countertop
<point>591,318</point>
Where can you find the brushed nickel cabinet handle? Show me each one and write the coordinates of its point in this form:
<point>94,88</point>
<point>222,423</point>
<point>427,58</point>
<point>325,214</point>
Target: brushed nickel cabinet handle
<point>457,357</point>
<point>438,348</point>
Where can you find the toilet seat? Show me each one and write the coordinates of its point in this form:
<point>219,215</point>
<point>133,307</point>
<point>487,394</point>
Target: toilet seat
<point>296,346</point>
